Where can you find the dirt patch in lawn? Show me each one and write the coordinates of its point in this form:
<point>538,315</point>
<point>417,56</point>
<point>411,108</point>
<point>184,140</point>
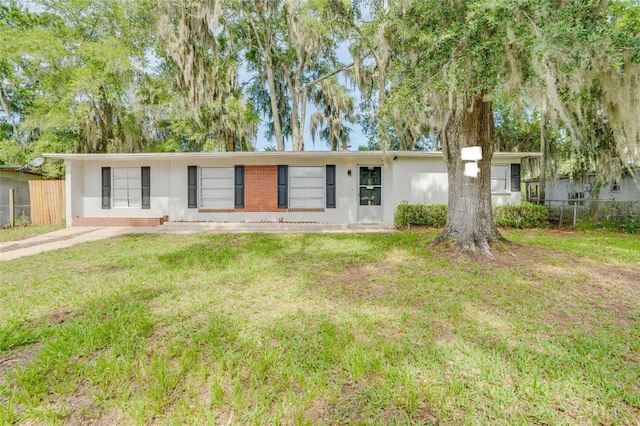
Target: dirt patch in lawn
<point>60,315</point>
<point>577,285</point>
<point>362,282</point>
<point>19,357</point>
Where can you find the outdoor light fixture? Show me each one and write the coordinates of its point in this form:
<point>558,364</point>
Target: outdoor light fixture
<point>348,172</point>
<point>471,155</point>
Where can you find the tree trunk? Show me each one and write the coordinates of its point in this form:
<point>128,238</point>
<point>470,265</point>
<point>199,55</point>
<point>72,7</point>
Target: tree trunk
<point>7,111</point>
<point>265,48</point>
<point>231,144</point>
<point>469,213</point>
<point>544,147</point>
<point>295,88</point>
<point>277,125</point>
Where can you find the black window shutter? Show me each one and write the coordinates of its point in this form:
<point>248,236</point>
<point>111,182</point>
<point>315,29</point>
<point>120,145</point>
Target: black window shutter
<point>331,186</point>
<point>146,187</point>
<point>239,187</point>
<point>192,187</point>
<point>106,187</point>
<point>515,178</point>
<point>282,187</point>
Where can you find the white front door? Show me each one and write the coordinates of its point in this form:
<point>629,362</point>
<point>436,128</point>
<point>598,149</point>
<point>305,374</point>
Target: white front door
<point>369,194</point>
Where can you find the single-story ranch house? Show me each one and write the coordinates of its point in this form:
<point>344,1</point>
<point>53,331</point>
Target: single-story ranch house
<point>324,187</point>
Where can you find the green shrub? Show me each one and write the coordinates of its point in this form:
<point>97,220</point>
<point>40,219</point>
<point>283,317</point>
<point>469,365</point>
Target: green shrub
<point>631,226</point>
<point>626,225</point>
<point>586,224</point>
<point>432,215</point>
<point>526,215</point>
<point>435,215</point>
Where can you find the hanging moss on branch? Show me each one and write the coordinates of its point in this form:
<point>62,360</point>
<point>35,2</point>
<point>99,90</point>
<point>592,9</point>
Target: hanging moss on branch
<point>457,58</point>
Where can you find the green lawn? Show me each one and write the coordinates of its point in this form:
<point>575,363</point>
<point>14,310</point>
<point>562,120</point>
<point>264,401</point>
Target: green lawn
<point>22,232</point>
<point>323,329</point>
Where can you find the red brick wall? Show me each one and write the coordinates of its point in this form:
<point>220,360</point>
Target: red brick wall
<point>261,189</point>
<point>118,221</point>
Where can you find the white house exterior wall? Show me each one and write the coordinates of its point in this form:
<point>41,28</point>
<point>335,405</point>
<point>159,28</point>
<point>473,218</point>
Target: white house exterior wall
<point>92,182</point>
<point>419,181</point>
<point>74,185</point>
<point>560,190</point>
<point>629,191</point>
<point>406,176</point>
<point>425,181</point>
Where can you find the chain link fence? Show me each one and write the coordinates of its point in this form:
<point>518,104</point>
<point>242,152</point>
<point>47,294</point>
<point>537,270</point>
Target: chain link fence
<point>21,212</point>
<point>589,213</point>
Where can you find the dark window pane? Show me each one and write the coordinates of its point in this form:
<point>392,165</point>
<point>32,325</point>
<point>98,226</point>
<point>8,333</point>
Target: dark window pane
<point>370,196</point>
<point>370,175</point>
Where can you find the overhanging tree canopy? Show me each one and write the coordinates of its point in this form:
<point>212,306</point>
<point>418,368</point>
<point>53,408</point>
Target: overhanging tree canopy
<point>459,56</point>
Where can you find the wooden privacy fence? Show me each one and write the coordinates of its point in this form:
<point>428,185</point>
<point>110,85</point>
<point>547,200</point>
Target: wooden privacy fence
<point>47,202</point>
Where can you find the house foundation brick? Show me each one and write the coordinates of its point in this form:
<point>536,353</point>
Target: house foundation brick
<point>118,221</point>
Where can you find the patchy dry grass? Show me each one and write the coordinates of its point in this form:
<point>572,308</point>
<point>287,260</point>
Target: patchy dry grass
<point>323,329</point>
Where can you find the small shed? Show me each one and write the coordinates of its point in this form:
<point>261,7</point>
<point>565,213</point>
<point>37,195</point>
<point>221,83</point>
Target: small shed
<point>16,179</point>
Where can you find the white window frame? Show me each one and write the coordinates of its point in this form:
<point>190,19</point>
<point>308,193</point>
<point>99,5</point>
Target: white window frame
<point>126,191</point>
<point>216,188</point>
<point>307,187</point>
<point>500,183</point>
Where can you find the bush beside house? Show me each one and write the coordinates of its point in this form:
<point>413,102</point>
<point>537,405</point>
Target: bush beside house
<point>526,215</point>
<point>435,215</point>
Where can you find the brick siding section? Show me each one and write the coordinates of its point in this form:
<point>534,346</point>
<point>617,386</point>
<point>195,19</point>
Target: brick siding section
<point>118,221</point>
<point>218,210</point>
<point>261,189</point>
<point>305,210</point>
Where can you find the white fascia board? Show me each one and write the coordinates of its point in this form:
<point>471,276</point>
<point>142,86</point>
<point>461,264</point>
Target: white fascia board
<point>271,156</point>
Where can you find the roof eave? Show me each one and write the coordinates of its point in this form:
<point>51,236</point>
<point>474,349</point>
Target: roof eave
<point>271,154</point>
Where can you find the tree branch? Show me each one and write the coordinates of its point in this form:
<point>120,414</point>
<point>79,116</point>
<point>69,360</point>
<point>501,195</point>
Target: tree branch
<point>331,74</point>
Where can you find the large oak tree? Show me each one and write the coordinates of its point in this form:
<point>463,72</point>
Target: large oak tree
<point>458,57</point>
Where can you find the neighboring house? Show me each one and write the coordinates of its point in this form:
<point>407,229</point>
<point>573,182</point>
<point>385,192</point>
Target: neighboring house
<point>16,178</point>
<point>625,189</point>
<point>322,187</point>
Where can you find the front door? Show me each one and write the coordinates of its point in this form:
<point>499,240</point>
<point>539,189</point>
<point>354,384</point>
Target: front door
<point>369,194</point>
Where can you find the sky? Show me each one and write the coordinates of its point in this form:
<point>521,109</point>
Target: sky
<point>357,137</point>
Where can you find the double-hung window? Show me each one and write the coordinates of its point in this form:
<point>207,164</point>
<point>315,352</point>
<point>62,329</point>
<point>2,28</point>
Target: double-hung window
<point>499,175</point>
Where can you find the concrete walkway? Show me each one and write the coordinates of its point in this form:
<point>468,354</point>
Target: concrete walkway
<point>68,237</point>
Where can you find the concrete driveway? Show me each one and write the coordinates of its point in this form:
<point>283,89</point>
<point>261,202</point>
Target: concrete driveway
<point>68,237</point>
